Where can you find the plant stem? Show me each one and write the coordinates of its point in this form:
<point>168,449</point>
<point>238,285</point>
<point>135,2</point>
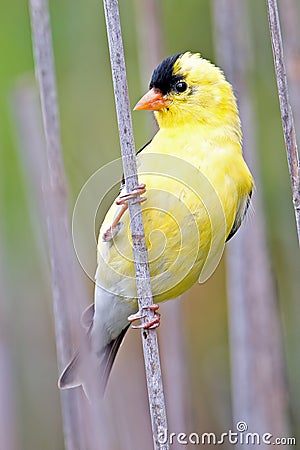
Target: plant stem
<point>285,107</point>
<point>140,252</point>
<point>254,323</point>
<point>57,217</point>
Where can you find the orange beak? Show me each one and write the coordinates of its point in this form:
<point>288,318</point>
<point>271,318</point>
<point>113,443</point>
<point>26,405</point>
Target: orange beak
<point>153,100</point>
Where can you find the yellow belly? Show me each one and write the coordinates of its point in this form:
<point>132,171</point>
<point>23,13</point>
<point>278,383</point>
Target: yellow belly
<point>192,199</point>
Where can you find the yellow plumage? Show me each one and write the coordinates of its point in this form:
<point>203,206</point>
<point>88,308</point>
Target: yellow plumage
<point>200,127</point>
<point>198,191</point>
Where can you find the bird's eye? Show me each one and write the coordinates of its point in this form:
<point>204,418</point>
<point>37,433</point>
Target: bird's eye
<point>181,86</point>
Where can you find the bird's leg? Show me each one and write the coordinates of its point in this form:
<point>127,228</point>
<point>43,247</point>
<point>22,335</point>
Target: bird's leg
<point>154,323</point>
<point>122,200</point>
<point>110,233</point>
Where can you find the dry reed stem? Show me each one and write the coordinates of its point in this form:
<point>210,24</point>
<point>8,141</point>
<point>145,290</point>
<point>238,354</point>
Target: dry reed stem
<point>140,253</point>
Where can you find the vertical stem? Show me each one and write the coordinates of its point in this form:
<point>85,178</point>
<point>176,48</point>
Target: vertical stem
<point>150,43</point>
<point>255,335</point>
<point>174,350</point>
<point>61,257</point>
<point>285,107</point>
<point>140,253</point>
<point>150,35</point>
<point>290,19</point>
<point>9,427</point>
<point>33,157</point>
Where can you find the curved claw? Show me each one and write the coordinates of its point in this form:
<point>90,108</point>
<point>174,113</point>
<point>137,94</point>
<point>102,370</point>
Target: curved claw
<point>136,316</point>
<point>154,323</point>
<point>139,190</point>
<point>149,325</point>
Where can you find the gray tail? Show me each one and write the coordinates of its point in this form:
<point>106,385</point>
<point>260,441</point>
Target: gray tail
<point>73,374</point>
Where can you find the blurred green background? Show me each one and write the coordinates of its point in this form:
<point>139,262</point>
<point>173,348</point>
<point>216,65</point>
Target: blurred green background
<point>90,140</point>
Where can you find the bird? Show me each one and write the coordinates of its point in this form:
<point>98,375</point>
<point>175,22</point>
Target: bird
<point>198,189</point>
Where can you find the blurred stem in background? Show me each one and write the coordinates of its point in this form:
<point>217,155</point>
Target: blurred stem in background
<point>150,36</point>
<point>32,150</point>
<point>43,164</point>
<point>9,427</point>
<point>68,293</point>
<point>259,391</point>
<point>290,20</point>
<point>150,41</point>
<point>57,217</point>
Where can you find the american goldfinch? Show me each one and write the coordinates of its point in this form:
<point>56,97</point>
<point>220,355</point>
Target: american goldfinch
<point>198,191</point>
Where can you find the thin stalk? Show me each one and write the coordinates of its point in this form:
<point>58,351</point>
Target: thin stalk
<point>150,41</point>
<point>57,217</point>
<point>290,19</point>
<point>150,36</point>
<point>31,143</point>
<point>285,107</point>
<point>9,426</point>
<point>254,324</point>
<point>140,253</point>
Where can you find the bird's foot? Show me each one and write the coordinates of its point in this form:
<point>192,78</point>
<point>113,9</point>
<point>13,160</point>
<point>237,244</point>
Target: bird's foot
<point>122,200</point>
<point>136,193</point>
<point>154,323</point>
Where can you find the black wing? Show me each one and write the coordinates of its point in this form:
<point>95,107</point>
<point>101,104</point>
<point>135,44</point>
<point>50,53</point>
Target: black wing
<point>140,150</point>
<point>240,215</point>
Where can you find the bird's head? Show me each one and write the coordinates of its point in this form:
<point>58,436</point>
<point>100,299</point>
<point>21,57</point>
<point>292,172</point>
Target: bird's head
<point>187,89</point>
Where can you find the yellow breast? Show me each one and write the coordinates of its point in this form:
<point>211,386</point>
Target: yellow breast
<point>194,185</point>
